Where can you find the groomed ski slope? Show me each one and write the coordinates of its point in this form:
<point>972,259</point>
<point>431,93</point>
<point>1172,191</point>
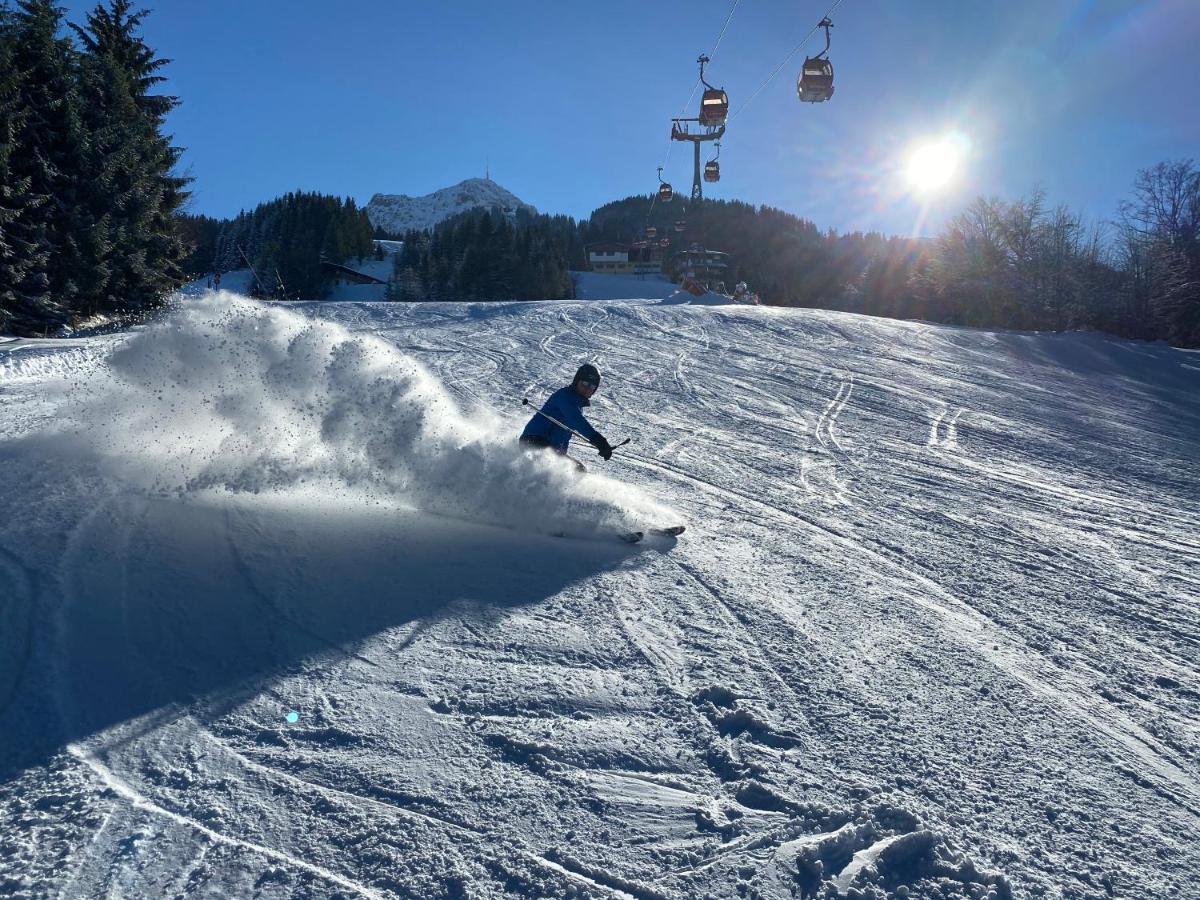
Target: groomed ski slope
<point>932,628</point>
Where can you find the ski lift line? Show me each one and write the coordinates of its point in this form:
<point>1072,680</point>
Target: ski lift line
<point>786,60</point>
<point>721,36</point>
<point>687,104</point>
<point>683,109</point>
<point>671,144</point>
<point>712,53</point>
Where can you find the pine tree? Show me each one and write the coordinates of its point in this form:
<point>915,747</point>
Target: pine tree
<point>26,306</point>
<point>49,138</point>
<point>138,251</point>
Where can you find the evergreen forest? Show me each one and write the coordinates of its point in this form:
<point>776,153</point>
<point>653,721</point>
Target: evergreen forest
<point>284,243</point>
<point>486,255</point>
<point>88,190</point>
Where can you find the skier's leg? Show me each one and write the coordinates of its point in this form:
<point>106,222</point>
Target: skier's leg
<point>534,443</point>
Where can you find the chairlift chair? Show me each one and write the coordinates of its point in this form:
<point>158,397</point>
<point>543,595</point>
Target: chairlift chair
<point>712,168</point>
<point>714,107</point>
<point>815,82</point>
<point>665,193</point>
<point>714,104</point>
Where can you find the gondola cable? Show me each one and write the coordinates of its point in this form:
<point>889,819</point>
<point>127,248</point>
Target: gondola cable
<point>695,85</point>
<point>786,60</point>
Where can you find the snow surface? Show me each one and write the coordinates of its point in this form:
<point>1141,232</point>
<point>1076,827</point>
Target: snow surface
<point>604,286</point>
<point>588,285</point>
<point>932,628</point>
<point>397,213</point>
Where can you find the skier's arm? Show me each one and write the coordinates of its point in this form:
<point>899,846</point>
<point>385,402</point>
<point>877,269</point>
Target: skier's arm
<point>571,416</point>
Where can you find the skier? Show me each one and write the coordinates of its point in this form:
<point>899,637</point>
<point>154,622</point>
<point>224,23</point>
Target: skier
<point>566,406</point>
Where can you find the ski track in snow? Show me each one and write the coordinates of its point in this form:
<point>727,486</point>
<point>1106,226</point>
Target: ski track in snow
<point>932,623</point>
<point>127,793</point>
<point>969,627</point>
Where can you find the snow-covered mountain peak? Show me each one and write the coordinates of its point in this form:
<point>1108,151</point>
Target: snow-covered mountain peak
<point>399,212</point>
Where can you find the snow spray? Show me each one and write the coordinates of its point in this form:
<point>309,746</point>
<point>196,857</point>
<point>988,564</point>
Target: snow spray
<point>230,394</point>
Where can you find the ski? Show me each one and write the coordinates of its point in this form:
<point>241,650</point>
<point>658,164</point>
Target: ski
<point>632,537</point>
<point>671,530</point>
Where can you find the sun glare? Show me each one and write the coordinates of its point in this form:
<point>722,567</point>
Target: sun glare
<point>935,164</point>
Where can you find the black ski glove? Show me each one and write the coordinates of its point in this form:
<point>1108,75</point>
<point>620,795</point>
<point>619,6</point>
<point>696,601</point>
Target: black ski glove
<point>603,446</point>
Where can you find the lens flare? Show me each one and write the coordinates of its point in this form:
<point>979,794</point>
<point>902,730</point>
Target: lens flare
<point>934,164</point>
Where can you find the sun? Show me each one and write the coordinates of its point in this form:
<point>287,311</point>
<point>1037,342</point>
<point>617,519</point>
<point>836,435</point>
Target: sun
<point>934,164</point>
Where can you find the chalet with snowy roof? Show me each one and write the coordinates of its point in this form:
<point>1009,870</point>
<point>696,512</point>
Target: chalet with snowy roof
<point>609,256</point>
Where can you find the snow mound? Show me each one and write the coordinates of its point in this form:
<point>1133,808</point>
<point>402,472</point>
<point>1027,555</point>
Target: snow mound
<point>708,298</point>
<point>231,394</point>
<point>398,213</point>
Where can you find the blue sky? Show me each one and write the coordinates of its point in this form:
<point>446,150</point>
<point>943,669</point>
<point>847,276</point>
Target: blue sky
<point>570,103</point>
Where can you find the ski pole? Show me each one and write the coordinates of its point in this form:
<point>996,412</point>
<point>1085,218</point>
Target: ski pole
<point>525,402</point>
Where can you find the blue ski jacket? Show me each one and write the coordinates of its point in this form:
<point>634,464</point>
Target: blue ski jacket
<point>566,404</point>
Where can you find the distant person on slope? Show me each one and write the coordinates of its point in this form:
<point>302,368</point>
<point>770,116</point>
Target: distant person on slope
<point>566,406</point>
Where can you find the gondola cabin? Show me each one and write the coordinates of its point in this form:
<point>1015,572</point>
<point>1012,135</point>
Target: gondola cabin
<point>714,107</point>
<point>680,226</point>
<point>815,84</point>
<point>651,232</point>
<point>665,193</point>
<point>712,170</point>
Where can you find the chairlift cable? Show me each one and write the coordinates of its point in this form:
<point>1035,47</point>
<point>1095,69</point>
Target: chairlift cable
<point>711,55</point>
<point>721,36</point>
<point>786,60</point>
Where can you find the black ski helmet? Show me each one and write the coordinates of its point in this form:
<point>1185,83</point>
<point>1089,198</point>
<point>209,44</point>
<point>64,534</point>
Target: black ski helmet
<point>587,373</point>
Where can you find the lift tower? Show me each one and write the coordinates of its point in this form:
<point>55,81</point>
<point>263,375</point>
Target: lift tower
<point>710,125</point>
<point>681,131</point>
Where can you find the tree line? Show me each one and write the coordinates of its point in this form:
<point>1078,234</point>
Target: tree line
<point>489,255</point>
<point>1028,265</point>
<point>1021,264</point>
<point>88,190</point>
<point>284,242</point>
